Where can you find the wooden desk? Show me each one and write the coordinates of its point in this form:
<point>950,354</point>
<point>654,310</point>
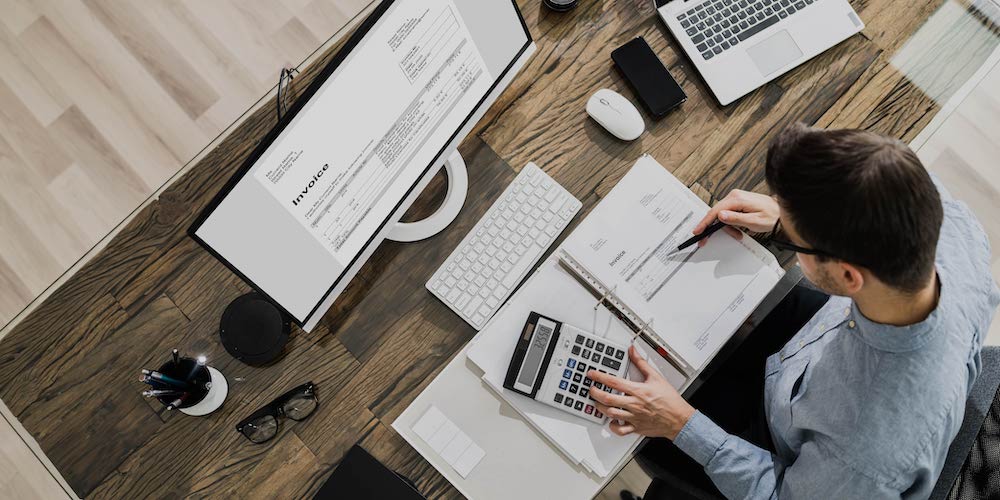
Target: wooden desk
<point>69,369</point>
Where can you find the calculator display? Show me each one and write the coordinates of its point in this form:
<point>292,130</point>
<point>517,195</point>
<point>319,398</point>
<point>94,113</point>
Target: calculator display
<point>536,353</point>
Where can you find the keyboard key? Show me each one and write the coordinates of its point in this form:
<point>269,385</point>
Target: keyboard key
<point>577,377</point>
<point>725,45</point>
<point>563,384</point>
<point>558,398</point>
<point>707,55</point>
<point>610,363</point>
<point>685,24</point>
<point>782,14</point>
<point>702,47</point>
<point>574,388</point>
<point>800,4</point>
<point>691,31</point>
<point>758,28</point>
<point>718,38</point>
<point>717,49</point>
<point>790,9</point>
<point>711,42</point>
<point>733,42</point>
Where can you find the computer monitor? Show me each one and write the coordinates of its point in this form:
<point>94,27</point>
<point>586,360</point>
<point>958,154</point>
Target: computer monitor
<point>331,181</point>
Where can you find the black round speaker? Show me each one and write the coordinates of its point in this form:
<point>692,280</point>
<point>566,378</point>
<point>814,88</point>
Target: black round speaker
<point>560,5</point>
<point>253,330</point>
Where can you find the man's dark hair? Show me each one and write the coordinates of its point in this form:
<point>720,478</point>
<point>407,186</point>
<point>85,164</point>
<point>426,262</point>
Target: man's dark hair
<point>862,197</point>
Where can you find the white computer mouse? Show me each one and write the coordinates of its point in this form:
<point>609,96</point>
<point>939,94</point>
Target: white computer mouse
<point>616,114</point>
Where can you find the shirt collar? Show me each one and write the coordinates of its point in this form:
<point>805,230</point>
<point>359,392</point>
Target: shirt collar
<point>896,338</point>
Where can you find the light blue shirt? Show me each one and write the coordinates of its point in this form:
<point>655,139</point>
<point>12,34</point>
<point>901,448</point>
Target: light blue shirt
<point>876,406</point>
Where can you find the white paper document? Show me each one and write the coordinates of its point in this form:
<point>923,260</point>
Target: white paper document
<point>343,163</point>
<point>445,438</point>
<point>696,298</point>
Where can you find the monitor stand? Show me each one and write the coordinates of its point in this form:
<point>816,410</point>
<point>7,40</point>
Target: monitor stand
<point>458,186</point>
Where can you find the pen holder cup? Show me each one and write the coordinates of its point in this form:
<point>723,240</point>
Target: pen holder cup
<point>210,391</point>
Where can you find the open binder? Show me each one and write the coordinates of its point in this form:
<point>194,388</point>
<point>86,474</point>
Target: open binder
<point>683,305</point>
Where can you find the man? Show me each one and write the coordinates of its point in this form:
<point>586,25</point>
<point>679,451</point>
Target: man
<point>864,399</point>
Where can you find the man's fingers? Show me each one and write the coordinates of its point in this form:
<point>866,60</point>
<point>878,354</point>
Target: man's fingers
<point>608,399</point>
<point>621,429</point>
<point>618,384</point>
<point>641,364</point>
<point>615,412</point>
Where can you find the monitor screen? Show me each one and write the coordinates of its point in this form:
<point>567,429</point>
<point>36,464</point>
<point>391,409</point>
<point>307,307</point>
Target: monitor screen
<point>325,184</point>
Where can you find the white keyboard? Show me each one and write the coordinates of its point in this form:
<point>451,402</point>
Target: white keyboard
<point>496,255</point>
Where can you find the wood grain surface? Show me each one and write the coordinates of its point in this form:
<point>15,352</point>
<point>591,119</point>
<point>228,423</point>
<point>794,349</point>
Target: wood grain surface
<point>68,372</point>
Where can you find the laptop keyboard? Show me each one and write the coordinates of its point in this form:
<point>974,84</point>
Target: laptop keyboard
<point>719,25</point>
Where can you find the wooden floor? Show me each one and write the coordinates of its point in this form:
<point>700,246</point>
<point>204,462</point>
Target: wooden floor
<point>101,101</point>
<point>68,369</point>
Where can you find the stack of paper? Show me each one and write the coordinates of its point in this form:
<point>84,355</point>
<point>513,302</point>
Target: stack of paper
<point>445,438</point>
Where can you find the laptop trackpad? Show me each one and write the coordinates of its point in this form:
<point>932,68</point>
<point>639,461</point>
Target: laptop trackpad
<point>774,53</point>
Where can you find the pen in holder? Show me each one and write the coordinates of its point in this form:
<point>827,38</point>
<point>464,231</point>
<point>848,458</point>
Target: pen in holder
<point>187,384</point>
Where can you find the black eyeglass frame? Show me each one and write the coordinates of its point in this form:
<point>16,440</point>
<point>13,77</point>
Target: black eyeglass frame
<point>276,409</point>
<point>787,245</point>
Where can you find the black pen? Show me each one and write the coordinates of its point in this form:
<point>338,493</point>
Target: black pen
<point>709,231</point>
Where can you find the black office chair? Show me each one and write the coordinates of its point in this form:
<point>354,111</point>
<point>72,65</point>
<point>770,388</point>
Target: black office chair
<point>971,469</point>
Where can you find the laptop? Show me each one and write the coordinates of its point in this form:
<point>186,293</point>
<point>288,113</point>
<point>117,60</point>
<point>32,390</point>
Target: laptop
<point>739,45</point>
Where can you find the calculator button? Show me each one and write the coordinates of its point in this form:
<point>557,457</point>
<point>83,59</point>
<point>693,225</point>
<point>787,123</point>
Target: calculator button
<point>579,405</point>
<point>563,384</point>
<point>607,389</point>
<point>579,339</point>
<point>583,391</point>
<point>577,377</point>
<point>580,367</point>
<point>597,385</point>
<point>586,354</point>
<point>574,388</point>
<point>609,350</point>
<point>619,354</point>
<point>610,363</point>
<point>602,371</point>
<point>598,414</point>
<point>600,347</point>
<point>568,402</point>
<point>567,373</point>
<point>576,349</point>
<point>596,358</point>
<point>571,363</point>
<point>587,382</point>
<point>558,398</point>
<point>589,410</point>
<point>590,343</point>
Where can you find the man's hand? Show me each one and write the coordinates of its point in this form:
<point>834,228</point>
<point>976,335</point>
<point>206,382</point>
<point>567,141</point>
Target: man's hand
<point>652,408</point>
<point>742,209</point>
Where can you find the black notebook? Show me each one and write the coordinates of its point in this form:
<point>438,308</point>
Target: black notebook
<point>361,477</point>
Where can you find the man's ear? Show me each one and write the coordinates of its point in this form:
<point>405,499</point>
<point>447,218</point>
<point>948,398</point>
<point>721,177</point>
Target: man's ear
<point>850,277</point>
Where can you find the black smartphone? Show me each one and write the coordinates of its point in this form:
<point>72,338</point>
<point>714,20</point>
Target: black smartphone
<point>657,90</point>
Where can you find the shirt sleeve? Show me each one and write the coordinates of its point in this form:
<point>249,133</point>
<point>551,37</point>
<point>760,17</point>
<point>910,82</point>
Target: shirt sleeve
<point>741,470</point>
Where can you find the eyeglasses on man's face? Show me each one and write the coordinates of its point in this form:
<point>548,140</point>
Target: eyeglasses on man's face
<point>781,244</point>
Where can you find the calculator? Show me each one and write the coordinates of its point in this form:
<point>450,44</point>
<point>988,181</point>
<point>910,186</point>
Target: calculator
<point>551,361</point>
